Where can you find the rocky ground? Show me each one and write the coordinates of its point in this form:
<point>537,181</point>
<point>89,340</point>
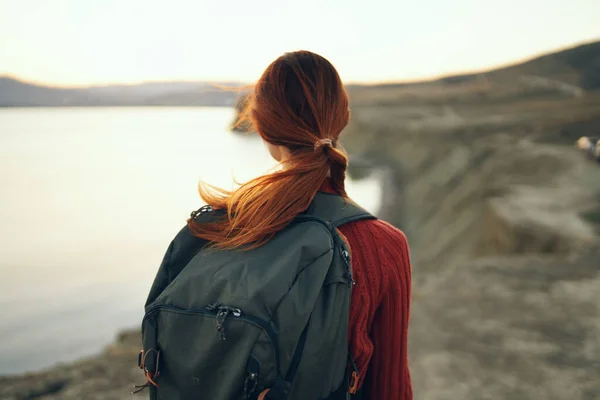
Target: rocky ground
<point>503,218</point>
<point>108,376</point>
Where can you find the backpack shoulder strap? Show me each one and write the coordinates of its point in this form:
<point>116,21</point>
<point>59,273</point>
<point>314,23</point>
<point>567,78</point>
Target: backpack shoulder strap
<point>336,209</point>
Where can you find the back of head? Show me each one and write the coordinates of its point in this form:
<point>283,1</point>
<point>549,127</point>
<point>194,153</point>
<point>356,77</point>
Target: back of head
<point>298,103</point>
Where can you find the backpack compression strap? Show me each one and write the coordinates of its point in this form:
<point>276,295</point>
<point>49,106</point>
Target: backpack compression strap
<point>340,211</point>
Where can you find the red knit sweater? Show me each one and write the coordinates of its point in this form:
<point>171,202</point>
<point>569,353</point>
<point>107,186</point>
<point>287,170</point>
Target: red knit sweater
<point>379,311</point>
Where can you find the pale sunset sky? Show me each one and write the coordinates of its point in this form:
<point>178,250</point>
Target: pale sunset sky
<point>85,42</point>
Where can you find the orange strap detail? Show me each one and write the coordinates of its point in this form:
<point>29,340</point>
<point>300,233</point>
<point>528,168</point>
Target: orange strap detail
<point>353,388</point>
<point>150,378</point>
<point>263,394</point>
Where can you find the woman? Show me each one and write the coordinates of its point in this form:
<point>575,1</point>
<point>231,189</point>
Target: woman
<point>298,102</point>
<point>299,108</point>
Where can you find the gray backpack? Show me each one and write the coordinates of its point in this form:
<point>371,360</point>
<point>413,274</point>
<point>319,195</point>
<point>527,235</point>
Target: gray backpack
<point>269,323</point>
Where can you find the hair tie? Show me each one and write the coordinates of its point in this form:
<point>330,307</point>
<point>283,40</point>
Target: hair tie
<point>323,142</point>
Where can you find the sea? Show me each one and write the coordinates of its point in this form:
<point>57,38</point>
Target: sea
<point>89,200</point>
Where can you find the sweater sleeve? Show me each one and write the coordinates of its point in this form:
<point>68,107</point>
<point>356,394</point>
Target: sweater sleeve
<point>389,376</point>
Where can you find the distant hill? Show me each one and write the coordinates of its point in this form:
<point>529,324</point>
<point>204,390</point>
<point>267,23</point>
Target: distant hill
<point>578,66</point>
<point>16,93</point>
<point>573,72</point>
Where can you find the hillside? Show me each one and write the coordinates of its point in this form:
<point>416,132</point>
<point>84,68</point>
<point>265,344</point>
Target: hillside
<point>569,73</point>
<point>502,216</point>
<point>579,66</point>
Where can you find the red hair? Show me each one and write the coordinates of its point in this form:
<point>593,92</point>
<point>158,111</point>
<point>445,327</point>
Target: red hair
<point>298,101</point>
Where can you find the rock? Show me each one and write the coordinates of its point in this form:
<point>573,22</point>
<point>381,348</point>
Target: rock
<point>240,124</point>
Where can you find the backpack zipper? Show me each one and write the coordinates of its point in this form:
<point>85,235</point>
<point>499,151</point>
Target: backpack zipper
<point>213,311</point>
<point>222,313</point>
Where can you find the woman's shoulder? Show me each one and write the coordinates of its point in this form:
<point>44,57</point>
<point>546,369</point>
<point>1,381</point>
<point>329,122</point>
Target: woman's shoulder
<point>380,253</point>
<point>378,229</point>
<point>378,241</point>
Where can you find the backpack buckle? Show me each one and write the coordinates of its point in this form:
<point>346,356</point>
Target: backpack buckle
<point>140,362</point>
<point>149,375</point>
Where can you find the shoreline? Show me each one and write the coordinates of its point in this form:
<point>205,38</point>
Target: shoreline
<point>122,350</point>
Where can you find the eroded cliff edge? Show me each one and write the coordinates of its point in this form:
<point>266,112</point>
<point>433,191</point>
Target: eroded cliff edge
<point>502,217</point>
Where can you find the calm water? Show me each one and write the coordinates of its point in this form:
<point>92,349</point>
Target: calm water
<point>90,199</point>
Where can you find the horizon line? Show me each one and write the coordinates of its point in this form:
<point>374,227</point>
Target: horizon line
<point>242,83</point>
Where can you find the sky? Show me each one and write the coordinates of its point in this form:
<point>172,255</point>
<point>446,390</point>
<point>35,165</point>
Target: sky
<point>88,42</point>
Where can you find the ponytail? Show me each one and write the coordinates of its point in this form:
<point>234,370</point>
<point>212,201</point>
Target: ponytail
<point>299,103</point>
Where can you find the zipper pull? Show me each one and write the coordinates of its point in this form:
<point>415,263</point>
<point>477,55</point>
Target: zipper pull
<point>346,256</point>
<point>236,312</point>
<point>223,312</point>
<point>348,274</point>
<point>221,317</point>
<point>250,385</point>
<point>201,210</point>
